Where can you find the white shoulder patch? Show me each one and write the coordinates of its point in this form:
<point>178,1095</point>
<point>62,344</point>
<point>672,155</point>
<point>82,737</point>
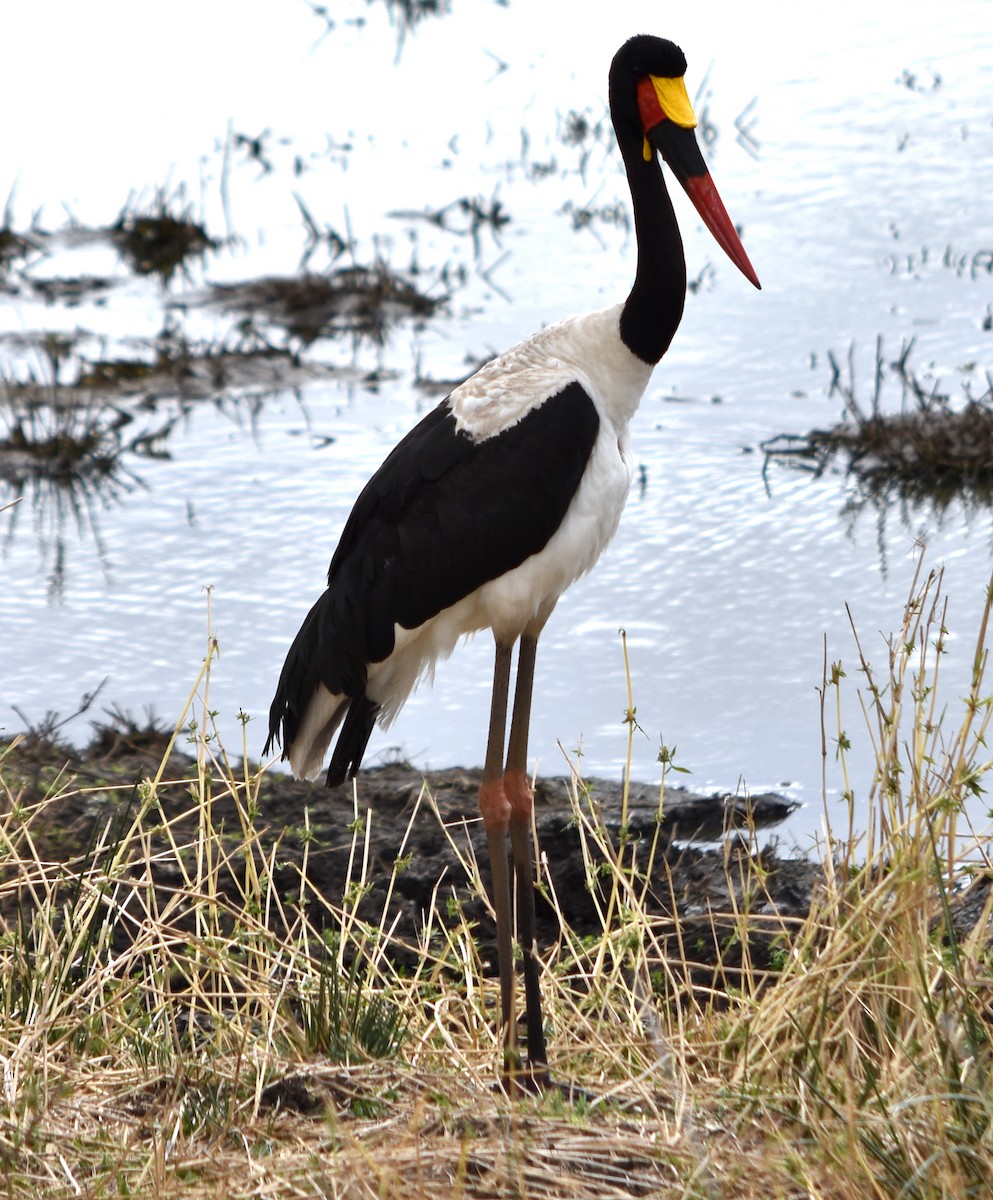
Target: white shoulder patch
<point>587,350</point>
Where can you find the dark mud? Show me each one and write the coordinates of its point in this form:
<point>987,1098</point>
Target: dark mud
<point>703,885</point>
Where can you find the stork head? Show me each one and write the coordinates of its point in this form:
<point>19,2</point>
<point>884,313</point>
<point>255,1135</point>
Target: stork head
<point>647,88</point>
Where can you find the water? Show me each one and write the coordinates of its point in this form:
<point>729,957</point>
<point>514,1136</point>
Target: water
<point>876,156</point>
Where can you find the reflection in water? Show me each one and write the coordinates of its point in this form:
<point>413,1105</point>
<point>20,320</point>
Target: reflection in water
<point>67,451</point>
<point>63,456</point>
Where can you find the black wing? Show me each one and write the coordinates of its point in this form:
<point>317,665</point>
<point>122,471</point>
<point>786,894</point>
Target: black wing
<point>442,516</point>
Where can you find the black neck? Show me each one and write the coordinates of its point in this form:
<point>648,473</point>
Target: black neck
<point>654,306</point>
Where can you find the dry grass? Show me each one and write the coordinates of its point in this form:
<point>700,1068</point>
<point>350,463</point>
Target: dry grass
<point>162,1041</point>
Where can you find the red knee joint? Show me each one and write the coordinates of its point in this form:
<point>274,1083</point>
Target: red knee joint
<point>517,789</point>
<point>494,807</point>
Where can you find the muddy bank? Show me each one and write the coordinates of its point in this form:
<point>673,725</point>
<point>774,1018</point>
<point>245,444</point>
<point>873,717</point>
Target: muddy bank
<point>334,833</point>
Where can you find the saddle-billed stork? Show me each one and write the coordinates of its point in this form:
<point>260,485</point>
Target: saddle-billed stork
<point>496,502</point>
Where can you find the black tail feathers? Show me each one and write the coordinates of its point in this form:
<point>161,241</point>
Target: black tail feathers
<point>352,741</point>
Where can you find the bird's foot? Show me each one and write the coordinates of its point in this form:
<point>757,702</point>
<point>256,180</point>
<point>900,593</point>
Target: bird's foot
<point>535,1079</point>
<point>518,1080</point>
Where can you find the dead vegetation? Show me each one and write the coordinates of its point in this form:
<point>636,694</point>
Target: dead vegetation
<point>933,448</point>
<point>162,238</point>
<point>356,300</point>
<point>12,247</point>
<point>468,217</point>
<point>70,434</point>
<point>92,414</point>
<point>74,439</point>
<point>77,415</point>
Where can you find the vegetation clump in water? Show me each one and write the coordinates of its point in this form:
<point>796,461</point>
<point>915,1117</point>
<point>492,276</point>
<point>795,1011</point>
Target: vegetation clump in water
<point>162,241</point>
<point>363,300</point>
<point>933,448</point>
<point>12,247</point>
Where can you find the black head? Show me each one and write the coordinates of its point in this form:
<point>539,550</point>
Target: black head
<point>647,55</point>
<point>639,56</point>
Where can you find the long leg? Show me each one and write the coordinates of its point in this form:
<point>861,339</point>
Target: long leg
<point>496,811</point>
<point>518,792</point>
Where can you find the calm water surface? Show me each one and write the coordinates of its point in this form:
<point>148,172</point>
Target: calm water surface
<point>862,211</point>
